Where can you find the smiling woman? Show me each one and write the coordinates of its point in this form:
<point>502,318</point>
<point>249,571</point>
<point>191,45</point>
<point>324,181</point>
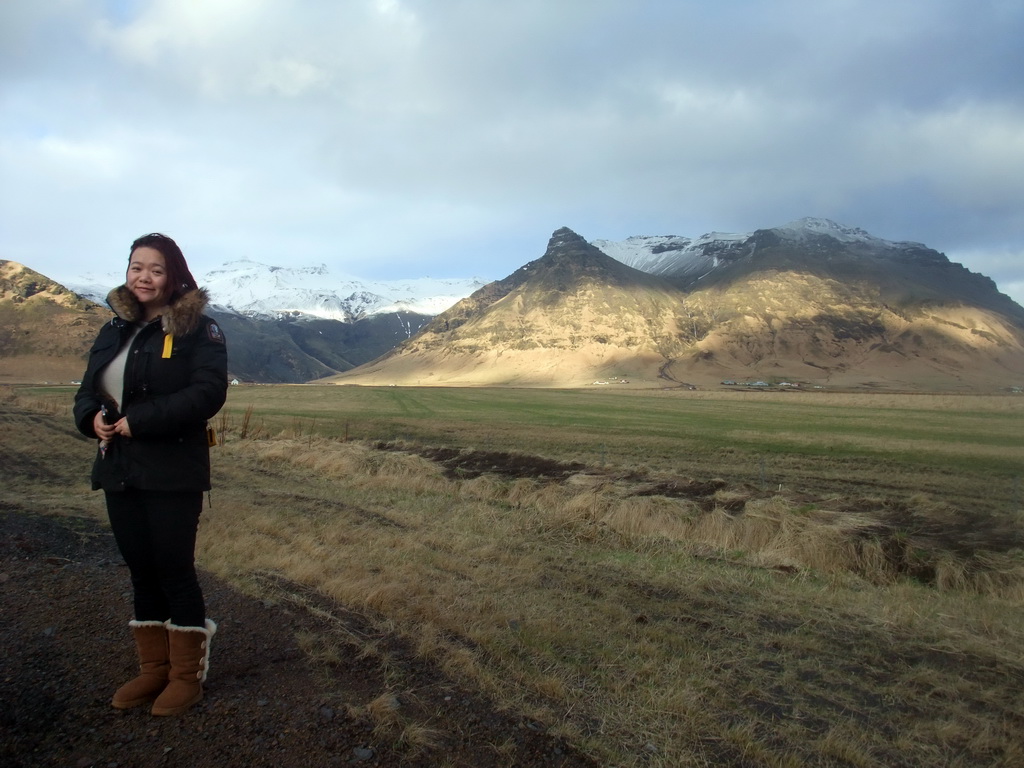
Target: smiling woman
<point>156,372</point>
<point>147,281</point>
<point>157,274</point>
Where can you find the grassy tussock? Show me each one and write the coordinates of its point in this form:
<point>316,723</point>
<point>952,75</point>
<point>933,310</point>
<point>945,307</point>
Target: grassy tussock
<point>332,459</point>
<point>53,403</point>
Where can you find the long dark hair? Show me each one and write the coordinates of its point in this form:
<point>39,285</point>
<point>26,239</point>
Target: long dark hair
<point>178,274</point>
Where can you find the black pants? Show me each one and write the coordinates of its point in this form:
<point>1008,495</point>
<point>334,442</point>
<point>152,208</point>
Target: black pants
<point>156,533</point>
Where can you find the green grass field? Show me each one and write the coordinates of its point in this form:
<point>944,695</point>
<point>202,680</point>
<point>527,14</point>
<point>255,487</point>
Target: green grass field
<point>969,449</point>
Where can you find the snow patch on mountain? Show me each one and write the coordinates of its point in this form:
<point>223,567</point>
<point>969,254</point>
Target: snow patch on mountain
<point>255,289</point>
<point>681,256</point>
<point>807,227</point>
<point>675,254</point>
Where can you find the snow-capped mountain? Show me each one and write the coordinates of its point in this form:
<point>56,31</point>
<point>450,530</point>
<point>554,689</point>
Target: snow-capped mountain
<point>255,289</point>
<point>672,255</point>
<point>258,289</point>
<point>802,229</point>
<point>261,290</point>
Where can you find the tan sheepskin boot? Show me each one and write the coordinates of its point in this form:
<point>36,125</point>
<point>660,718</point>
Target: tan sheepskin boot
<point>190,658</point>
<point>154,665</point>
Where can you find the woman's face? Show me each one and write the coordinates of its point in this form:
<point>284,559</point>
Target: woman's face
<point>147,278</point>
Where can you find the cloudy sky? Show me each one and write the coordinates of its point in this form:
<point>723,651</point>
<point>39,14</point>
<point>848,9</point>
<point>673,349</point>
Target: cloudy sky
<point>449,138</point>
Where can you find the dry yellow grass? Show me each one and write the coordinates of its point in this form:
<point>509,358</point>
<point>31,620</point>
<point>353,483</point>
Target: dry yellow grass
<point>628,623</point>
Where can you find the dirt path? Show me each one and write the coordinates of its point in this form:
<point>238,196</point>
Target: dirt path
<point>271,700</point>
<point>64,607</point>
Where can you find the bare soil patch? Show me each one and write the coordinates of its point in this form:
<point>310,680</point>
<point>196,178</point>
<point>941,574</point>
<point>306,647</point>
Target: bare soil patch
<point>461,465</point>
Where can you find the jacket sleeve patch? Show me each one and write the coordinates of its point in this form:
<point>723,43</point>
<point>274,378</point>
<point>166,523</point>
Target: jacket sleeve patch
<point>215,333</point>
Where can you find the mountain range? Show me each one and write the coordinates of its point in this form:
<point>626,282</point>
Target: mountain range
<point>811,303</point>
<point>296,324</point>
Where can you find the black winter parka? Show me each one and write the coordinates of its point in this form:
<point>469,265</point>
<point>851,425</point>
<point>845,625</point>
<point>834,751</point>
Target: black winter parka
<point>175,379</point>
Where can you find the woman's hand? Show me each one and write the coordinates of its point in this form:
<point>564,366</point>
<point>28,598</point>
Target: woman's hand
<point>122,428</point>
<point>103,430</point>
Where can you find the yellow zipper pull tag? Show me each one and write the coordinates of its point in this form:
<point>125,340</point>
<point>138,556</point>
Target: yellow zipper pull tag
<point>168,345</point>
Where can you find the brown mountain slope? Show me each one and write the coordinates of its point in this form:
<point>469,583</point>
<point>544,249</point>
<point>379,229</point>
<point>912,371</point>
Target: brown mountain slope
<point>803,328</point>
<point>561,320</point>
<point>576,317</point>
<point>45,329</point>
<point>895,273</point>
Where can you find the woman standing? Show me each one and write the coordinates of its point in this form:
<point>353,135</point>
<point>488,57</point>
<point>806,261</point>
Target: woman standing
<point>156,373</point>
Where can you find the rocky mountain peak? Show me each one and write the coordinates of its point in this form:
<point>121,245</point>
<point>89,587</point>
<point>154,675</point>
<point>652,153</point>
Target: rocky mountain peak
<point>570,259</point>
<point>567,246</point>
<point>565,238</point>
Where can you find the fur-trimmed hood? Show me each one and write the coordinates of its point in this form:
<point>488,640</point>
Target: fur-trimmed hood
<point>179,319</point>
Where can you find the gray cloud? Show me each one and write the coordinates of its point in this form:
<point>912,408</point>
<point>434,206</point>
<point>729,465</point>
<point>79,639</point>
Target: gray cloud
<point>387,137</point>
